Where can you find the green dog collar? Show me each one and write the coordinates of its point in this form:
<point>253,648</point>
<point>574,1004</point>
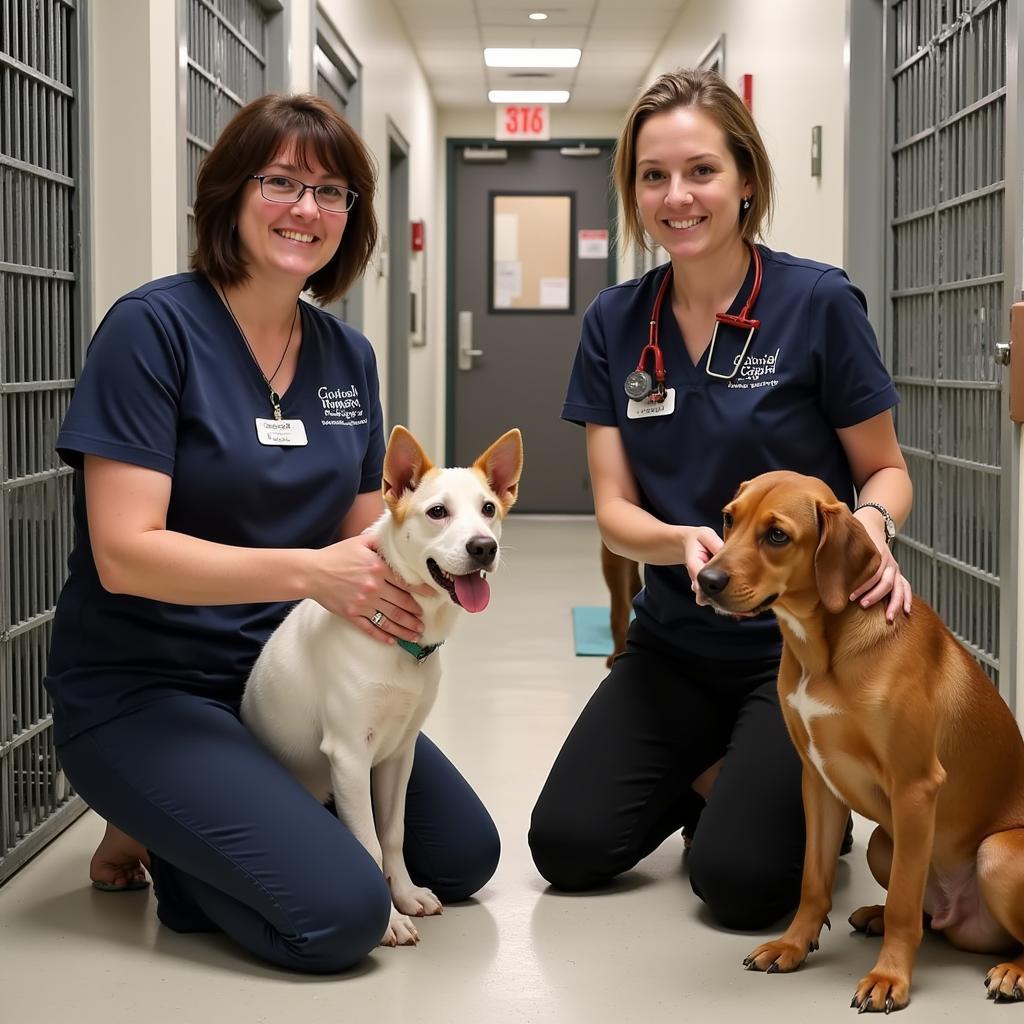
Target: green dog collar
<point>418,652</point>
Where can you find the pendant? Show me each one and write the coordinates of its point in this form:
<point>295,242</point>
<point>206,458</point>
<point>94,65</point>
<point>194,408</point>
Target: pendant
<point>275,401</point>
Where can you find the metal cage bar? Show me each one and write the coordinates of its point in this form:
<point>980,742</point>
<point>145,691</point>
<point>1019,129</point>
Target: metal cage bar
<point>947,297</point>
<point>226,67</point>
<point>41,325</point>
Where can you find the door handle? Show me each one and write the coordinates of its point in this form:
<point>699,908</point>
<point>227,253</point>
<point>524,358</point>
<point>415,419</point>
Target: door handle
<point>1012,355</point>
<point>465,340</point>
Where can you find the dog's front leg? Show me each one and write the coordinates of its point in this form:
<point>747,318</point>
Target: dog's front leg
<point>350,781</point>
<point>826,822</point>
<point>390,781</point>
<point>887,987</point>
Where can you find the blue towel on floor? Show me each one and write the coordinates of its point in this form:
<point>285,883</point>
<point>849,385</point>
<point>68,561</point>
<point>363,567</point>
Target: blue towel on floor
<point>592,632</point>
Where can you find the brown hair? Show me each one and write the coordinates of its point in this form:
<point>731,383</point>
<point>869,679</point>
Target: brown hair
<point>705,89</point>
<point>253,137</point>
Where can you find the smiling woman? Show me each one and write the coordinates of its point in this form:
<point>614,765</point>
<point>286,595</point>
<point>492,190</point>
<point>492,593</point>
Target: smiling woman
<point>205,507</point>
<point>687,725</point>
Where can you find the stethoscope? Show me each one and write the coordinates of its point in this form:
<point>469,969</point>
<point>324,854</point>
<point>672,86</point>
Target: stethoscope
<point>639,384</point>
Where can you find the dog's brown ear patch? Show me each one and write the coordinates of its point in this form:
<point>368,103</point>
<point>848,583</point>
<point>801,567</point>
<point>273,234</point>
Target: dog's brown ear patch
<point>502,465</point>
<point>845,556</point>
<point>405,465</point>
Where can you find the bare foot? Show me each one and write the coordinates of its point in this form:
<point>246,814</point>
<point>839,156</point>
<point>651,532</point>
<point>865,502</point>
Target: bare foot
<point>119,860</point>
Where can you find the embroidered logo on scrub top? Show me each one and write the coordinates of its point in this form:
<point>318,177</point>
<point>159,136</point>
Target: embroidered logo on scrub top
<point>341,407</point>
<point>757,372</point>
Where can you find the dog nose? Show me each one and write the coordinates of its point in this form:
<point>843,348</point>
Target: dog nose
<point>713,581</point>
<point>482,550</point>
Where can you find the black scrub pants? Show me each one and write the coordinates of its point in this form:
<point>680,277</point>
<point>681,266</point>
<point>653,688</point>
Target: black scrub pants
<point>622,783</point>
<point>238,846</point>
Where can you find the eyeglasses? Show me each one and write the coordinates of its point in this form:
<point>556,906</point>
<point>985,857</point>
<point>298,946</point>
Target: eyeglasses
<point>279,189</point>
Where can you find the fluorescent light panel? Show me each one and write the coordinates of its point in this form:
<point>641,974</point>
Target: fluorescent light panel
<point>530,57</point>
<point>538,16</point>
<point>528,96</point>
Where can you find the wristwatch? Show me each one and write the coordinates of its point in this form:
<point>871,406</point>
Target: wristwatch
<point>890,523</point>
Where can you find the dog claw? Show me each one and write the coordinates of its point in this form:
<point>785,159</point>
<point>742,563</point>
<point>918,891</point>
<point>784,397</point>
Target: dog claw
<point>853,1003</point>
<point>890,1004</point>
<point>751,966</point>
<point>865,1006</point>
<point>827,923</point>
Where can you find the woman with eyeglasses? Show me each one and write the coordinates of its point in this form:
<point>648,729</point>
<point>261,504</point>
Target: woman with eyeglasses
<point>228,445</point>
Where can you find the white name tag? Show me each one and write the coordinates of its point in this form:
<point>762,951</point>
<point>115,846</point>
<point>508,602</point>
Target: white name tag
<point>281,433</point>
<point>646,409</point>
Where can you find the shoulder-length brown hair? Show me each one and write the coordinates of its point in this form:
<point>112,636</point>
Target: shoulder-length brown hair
<point>253,137</point>
<point>707,90</point>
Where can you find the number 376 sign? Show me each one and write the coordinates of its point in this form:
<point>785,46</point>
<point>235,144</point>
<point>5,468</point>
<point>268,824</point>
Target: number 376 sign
<point>522,121</point>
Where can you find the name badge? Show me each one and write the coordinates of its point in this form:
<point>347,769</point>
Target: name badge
<point>281,433</point>
<point>647,409</point>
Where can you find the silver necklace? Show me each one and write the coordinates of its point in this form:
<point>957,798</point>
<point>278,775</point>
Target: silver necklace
<point>275,398</point>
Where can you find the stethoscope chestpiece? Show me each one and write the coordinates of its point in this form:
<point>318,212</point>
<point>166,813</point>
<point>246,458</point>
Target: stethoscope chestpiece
<point>638,385</point>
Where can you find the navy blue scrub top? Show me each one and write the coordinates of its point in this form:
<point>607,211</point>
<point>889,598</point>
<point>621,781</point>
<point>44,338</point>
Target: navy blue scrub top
<point>812,367</point>
<point>169,385</point>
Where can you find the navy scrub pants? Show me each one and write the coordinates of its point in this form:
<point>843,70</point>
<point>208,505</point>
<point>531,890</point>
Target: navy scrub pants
<point>238,846</point>
<point>622,783</point>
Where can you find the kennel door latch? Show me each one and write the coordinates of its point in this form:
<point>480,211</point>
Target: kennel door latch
<point>466,350</point>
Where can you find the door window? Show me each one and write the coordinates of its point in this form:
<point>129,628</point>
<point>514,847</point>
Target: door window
<point>531,253</point>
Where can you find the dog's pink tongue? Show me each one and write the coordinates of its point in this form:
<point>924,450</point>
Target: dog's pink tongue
<point>473,591</point>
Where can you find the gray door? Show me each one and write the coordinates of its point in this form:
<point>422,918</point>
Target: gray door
<point>954,229</point>
<point>516,298</point>
<point>398,244</point>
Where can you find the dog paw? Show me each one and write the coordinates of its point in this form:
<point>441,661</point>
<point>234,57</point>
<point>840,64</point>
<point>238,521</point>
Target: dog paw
<point>779,957</point>
<point>881,992</point>
<point>401,931</point>
<point>1005,983</point>
<point>869,920</point>
<point>416,902</point>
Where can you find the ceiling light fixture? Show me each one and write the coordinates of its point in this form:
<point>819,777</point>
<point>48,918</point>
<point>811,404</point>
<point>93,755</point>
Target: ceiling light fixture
<point>538,16</point>
<point>528,96</point>
<point>531,57</point>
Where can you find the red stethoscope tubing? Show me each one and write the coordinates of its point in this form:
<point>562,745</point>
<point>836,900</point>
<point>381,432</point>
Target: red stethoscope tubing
<point>743,321</point>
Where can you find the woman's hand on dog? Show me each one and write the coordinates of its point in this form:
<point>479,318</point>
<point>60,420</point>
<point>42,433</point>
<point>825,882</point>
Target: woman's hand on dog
<point>887,580</point>
<point>356,583</point>
<point>700,545</point>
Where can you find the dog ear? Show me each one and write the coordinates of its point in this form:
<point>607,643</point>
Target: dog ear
<point>502,465</point>
<point>845,556</point>
<point>405,464</point>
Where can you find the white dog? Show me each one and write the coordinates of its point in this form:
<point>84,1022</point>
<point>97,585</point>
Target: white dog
<point>340,710</point>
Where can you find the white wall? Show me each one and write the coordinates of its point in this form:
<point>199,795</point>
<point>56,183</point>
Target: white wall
<point>132,116</point>
<point>795,51</point>
<point>393,86</point>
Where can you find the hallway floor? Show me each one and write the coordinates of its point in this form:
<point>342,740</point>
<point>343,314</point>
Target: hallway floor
<point>640,951</point>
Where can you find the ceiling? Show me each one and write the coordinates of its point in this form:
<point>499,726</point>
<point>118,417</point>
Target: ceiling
<point>619,40</point>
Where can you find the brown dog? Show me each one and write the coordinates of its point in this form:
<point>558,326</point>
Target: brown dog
<point>896,721</point>
<point>622,576</point>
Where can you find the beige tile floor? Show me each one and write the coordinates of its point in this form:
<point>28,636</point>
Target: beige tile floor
<point>640,952</point>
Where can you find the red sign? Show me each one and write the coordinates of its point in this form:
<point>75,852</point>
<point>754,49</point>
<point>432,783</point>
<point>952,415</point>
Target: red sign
<point>522,121</point>
<point>417,236</point>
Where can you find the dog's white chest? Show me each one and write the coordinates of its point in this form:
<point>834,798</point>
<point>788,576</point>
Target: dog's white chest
<point>809,708</point>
